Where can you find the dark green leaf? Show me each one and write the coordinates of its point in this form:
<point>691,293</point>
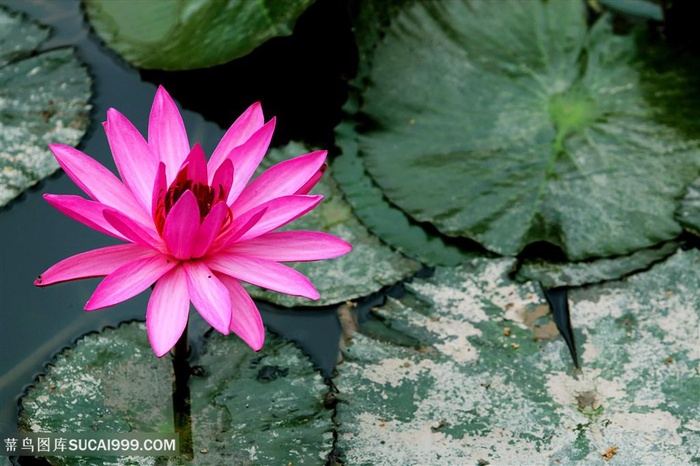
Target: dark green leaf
<point>18,36</point>
<point>511,122</point>
<point>186,34</point>
<point>645,9</point>
<point>44,100</point>
<point>556,274</point>
<point>386,221</point>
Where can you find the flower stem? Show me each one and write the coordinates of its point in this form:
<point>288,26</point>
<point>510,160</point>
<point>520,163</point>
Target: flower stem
<point>181,395</point>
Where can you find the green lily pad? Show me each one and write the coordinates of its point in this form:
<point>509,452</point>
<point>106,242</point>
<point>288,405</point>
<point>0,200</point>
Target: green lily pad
<point>555,274</point>
<point>688,213</point>
<point>44,100</point>
<point>370,19</point>
<point>644,9</point>
<point>18,36</point>
<point>369,267</point>
<point>247,408</point>
<point>512,122</point>
<point>187,34</point>
<point>391,224</point>
<point>476,387</point>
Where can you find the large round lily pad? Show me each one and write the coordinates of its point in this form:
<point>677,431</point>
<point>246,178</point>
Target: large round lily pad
<point>370,266</point>
<point>513,122</point>
<point>44,100</point>
<point>186,34</point>
<point>465,372</point>
<point>246,407</point>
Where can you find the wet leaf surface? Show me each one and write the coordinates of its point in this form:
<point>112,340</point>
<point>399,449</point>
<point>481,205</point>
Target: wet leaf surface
<point>556,274</point>
<point>479,388</point>
<point>160,34</point>
<point>44,100</point>
<point>247,407</point>
<point>541,128</point>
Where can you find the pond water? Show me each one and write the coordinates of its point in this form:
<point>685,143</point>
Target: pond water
<point>38,323</point>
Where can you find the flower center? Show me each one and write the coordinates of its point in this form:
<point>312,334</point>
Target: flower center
<point>206,197</point>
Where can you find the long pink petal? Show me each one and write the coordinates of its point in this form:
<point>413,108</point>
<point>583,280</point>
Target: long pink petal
<point>168,311</point>
<point>264,273</point>
<point>246,321</point>
<point>97,182</point>
<point>278,212</point>
<point>166,133</point>
<point>134,231</point>
<point>292,246</point>
<point>181,226</point>
<point>209,296</point>
<point>308,186</point>
<point>209,229</point>
<point>129,280</point>
<point>134,158</point>
<point>95,263</point>
<point>240,131</point>
<point>283,179</point>
<point>247,157</point>
<point>86,212</point>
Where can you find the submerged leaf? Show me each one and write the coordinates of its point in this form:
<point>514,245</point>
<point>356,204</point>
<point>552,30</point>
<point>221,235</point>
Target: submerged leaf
<point>370,266</point>
<point>186,34</point>
<point>44,100</point>
<point>540,129</point>
<point>480,389</point>
<point>246,407</point>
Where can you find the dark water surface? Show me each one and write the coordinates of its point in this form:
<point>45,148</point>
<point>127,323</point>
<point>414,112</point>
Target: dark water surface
<point>37,323</point>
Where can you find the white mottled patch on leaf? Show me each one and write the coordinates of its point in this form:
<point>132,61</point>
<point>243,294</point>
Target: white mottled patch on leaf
<point>520,399</point>
<point>396,371</point>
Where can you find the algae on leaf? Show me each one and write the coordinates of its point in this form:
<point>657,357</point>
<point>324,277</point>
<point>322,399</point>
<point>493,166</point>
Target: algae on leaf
<point>370,266</point>
<point>541,128</point>
<point>246,407</point>
<point>187,34</point>
<point>480,388</point>
<point>44,100</point>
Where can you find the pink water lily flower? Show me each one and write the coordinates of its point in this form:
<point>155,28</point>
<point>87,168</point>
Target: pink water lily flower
<point>194,228</point>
